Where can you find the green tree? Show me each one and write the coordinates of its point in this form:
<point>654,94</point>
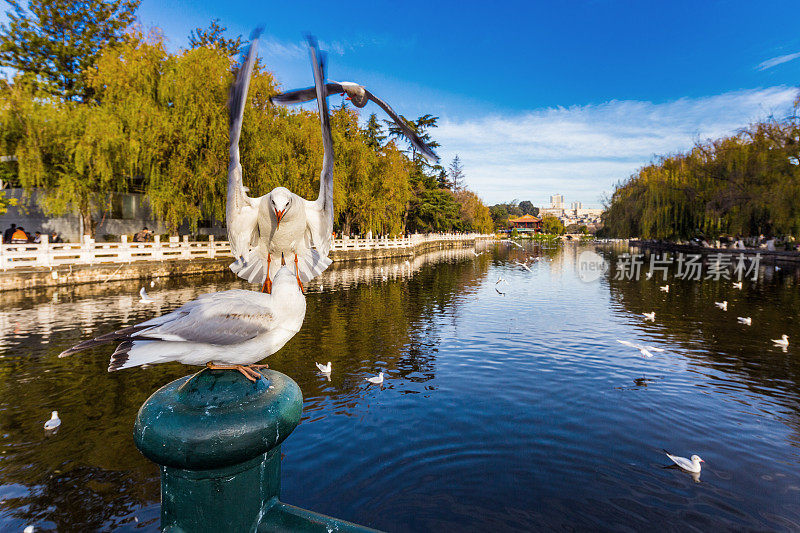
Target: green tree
<point>374,133</point>
<point>456,174</point>
<point>552,225</point>
<point>56,42</point>
<point>528,209</point>
<point>499,215</point>
<point>214,37</point>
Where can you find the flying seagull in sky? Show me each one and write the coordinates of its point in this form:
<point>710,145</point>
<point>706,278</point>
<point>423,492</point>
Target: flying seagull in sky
<point>286,223</point>
<point>360,96</point>
<point>222,330</point>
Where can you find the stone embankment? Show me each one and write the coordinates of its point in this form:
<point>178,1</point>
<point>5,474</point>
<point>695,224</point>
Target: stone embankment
<point>99,263</point>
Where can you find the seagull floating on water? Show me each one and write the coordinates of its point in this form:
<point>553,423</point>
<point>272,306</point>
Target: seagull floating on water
<point>645,350</point>
<point>690,465</point>
<point>377,380</point>
<point>722,305</point>
<point>325,369</point>
<point>737,285</point>
<point>650,316</point>
<point>228,330</point>
<point>53,423</point>
<point>144,298</point>
<point>665,288</point>
<point>783,341</point>
<point>745,320</point>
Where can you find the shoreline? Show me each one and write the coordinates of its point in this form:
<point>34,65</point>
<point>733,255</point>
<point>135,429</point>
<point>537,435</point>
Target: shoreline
<point>66,275</point>
<point>767,256</point>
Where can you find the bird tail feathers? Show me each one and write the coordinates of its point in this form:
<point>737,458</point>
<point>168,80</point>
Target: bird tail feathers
<point>254,266</point>
<point>137,352</point>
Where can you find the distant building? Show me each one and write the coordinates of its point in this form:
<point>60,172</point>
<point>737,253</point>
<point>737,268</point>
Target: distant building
<point>557,212</point>
<point>575,206</point>
<point>526,224</point>
<point>557,201</point>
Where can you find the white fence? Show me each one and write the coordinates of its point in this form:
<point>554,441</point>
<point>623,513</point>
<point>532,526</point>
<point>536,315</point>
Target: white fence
<point>92,253</point>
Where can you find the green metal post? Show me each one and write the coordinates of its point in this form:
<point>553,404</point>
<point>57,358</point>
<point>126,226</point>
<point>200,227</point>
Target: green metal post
<point>217,438</point>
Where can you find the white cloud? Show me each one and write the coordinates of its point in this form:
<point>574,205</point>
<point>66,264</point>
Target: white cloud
<point>775,61</point>
<point>582,151</point>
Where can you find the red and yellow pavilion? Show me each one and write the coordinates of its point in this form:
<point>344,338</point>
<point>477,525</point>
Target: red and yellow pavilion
<point>526,223</point>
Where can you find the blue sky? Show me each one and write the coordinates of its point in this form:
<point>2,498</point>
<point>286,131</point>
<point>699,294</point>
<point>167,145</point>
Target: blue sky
<point>537,97</point>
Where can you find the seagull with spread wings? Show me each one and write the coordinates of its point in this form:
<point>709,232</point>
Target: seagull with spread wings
<point>360,97</point>
<point>284,222</point>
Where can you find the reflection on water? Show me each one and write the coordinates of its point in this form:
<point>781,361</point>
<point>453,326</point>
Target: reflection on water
<point>510,412</point>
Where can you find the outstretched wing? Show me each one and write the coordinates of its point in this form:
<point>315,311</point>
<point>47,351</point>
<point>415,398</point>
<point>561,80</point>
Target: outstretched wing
<point>237,98</point>
<point>307,94</point>
<point>319,213</point>
<point>241,212</point>
<point>410,134</point>
<point>299,96</point>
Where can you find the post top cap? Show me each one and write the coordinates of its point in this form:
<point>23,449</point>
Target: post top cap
<point>217,418</point>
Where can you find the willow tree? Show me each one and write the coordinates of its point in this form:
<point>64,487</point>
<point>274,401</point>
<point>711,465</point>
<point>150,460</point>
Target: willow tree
<point>745,184</point>
<point>66,149</point>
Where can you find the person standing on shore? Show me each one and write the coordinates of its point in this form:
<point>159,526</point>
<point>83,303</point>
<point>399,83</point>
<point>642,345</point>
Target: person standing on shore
<point>8,233</point>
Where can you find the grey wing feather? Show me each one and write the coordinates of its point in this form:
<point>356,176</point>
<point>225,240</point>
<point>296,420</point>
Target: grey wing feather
<point>319,214</point>
<point>412,136</point>
<point>300,96</point>
<point>238,93</point>
<point>224,318</point>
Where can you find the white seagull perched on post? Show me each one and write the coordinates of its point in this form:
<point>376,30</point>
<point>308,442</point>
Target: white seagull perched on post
<point>722,305</point>
<point>228,330</point>
<point>690,465</point>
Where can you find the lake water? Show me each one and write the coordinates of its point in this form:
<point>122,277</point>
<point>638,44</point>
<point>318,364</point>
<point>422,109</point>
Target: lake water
<point>513,411</point>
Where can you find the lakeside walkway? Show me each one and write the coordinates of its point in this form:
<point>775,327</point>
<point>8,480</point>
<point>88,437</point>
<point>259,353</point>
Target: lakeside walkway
<point>46,264</point>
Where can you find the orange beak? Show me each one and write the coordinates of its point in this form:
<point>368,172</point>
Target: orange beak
<point>280,214</point>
